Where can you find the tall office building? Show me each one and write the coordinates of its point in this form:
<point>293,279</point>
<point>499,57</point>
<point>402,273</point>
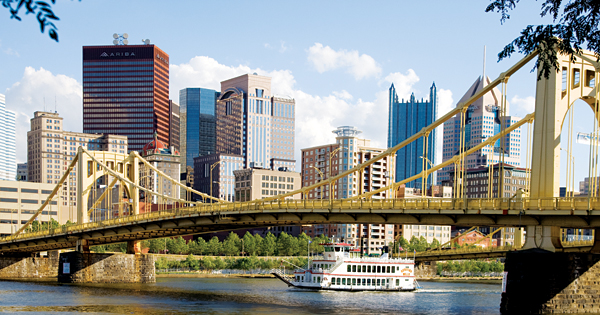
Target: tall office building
<point>352,151</point>
<point>8,134</point>
<point>483,119</point>
<point>197,124</point>
<point>174,127</point>
<point>407,118</point>
<point>50,150</point>
<point>255,124</point>
<point>126,92</point>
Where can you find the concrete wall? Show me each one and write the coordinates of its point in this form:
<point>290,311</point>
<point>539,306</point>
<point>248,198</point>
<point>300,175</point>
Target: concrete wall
<point>28,267</point>
<point>426,269</point>
<point>105,268</point>
<point>541,282</point>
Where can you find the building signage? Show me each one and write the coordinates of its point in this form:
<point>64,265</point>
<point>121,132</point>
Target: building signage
<point>117,54</point>
<point>162,59</point>
<point>504,281</point>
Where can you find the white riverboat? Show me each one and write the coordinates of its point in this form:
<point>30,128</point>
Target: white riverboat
<point>343,268</point>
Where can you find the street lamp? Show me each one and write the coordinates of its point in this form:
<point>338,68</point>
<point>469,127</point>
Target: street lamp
<point>424,179</point>
<point>322,177</point>
<point>331,154</point>
<point>211,181</point>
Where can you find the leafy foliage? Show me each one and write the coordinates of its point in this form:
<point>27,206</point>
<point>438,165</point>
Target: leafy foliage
<point>576,25</point>
<point>470,266</point>
<point>41,9</point>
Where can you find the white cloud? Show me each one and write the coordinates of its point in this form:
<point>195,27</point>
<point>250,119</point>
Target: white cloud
<point>9,51</point>
<point>522,106</point>
<point>445,102</point>
<point>343,94</point>
<point>324,58</point>
<point>282,47</point>
<point>403,82</point>
<point>37,87</point>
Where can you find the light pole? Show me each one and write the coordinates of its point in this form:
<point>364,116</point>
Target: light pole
<point>322,177</point>
<point>211,181</point>
<point>331,154</point>
<point>424,179</point>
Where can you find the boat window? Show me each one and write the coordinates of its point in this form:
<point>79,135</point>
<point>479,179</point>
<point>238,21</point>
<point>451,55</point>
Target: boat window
<point>397,281</point>
<point>302,278</point>
<point>359,268</point>
<point>388,281</point>
<point>368,281</point>
<point>337,249</point>
<point>369,268</point>
<point>333,280</point>
<point>319,279</point>
<point>344,281</point>
<point>353,281</point>
<point>379,269</point>
<point>364,281</point>
<point>364,268</point>
<point>338,281</point>
<point>353,268</point>
<point>378,282</point>
<point>388,269</point>
<point>349,268</point>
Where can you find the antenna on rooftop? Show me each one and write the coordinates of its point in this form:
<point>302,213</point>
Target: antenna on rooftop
<point>120,39</point>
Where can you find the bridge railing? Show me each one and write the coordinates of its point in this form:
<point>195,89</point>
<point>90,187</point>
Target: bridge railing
<point>427,205</point>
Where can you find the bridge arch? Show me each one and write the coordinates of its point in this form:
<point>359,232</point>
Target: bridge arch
<point>576,79</point>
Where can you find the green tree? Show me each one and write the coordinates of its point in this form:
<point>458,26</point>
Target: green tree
<point>303,240</point>
<point>231,244</point>
<point>198,247</point>
<point>286,245</point>
<point>403,244</point>
<point>575,25</point>
<point>177,246</point>
<point>250,244</point>
<point>435,243</point>
<point>267,247</point>
<point>156,245</point>
<point>191,262</point>
<point>316,246</point>
<point>213,247</point>
<point>258,242</point>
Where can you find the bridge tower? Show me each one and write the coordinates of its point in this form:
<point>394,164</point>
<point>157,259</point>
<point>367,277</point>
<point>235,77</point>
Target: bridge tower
<point>575,79</point>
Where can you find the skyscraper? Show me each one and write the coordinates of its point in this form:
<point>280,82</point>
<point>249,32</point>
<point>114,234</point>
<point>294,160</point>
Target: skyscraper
<point>254,123</point>
<point>8,134</point>
<point>126,92</point>
<point>197,124</point>
<point>405,120</point>
<point>174,137</point>
<point>483,119</point>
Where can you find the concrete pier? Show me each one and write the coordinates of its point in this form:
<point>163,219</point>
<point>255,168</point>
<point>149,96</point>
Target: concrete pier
<point>76,267</point>
<point>542,282</point>
<point>23,267</point>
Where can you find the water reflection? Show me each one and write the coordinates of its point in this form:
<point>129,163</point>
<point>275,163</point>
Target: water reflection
<point>241,296</point>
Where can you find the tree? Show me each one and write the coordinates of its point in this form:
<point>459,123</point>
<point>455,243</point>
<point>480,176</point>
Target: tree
<point>576,24</point>
<point>403,244</point>
<point>156,245</point>
<point>231,244</point>
<point>250,244</point>
<point>303,240</point>
<point>213,247</point>
<point>435,243</point>
<point>286,245</point>
<point>267,247</point>
<point>198,247</point>
<point>41,9</point>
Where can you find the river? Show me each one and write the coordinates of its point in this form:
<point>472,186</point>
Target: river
<point>241,296</point>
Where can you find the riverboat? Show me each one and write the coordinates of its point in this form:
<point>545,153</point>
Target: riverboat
<point>344,268</point>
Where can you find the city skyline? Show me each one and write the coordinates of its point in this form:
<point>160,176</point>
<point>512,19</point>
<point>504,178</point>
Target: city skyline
<point>335,78</point>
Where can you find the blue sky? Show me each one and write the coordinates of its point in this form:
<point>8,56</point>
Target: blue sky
<point>336,58</point>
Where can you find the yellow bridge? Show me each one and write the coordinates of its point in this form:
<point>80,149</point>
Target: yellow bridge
<point>170,216</point>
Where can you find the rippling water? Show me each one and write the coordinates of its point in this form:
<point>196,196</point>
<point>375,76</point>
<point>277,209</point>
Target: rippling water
<point>242,296</point>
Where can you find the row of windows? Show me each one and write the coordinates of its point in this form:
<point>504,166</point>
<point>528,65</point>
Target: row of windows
<point>129,99</point>
<point>116,74</point>
<point>372,269</point>
<point>280,178</point>
<point>122,89</point>
<point>144,78</point>
<point>25,190</point>
<point>16,211</point>
<point>118,126</point>
<point>149,84</point>
<point>138,106</point>
<point>116,94</point>
<point>87,70</point>
<point>30,201</point>
<point>126,115</point>
<point>115,63</point>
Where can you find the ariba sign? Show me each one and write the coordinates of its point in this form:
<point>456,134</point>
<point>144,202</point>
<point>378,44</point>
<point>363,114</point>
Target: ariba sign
<point>159,57</point>
<point>117,54</point>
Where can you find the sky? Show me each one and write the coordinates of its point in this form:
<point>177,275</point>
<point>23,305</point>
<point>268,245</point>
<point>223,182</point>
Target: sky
<point>337,59</point>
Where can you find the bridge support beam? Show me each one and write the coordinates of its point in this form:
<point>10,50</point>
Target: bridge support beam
<point>542,282</point>
<point>20,266</point>
<point>542,237</point>
<point>78,267</point>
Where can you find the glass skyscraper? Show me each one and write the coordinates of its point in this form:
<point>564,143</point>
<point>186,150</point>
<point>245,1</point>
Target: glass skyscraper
<point>197,123</point>
<point>8,133</point>
<point>406,118</point>
<point>126,92</point>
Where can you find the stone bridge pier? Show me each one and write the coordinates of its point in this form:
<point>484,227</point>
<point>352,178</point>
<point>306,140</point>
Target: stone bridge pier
<point>82,266</point>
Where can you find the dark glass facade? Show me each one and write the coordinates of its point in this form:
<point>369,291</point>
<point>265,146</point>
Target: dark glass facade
<point>126,92</point>
<point>174,138</point>
<point>230,108</point>
<point>198,123</point>
<point>406,119</point>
